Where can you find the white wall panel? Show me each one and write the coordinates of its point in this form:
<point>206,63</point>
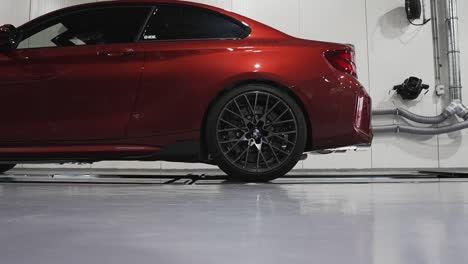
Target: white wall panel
<point>15,12</point>
<point>40,7</point>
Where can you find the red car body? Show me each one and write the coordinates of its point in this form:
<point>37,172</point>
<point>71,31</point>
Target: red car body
<point>85,104</point>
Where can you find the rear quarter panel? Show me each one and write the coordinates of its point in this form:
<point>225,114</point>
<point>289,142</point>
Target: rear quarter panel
<point>181,79</point>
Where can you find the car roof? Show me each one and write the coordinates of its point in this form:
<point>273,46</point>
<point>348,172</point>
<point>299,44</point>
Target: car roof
<point>110,2</point>
<point>157,1</point>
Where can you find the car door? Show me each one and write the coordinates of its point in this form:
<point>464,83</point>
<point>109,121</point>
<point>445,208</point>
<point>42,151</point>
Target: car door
<point>22,115</point>
<point>74,76</point>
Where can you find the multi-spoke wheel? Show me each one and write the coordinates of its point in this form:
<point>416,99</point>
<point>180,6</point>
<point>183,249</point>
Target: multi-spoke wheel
<point>256,133</point>
<point>6,167</point>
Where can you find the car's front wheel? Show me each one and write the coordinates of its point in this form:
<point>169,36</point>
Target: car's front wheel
<point>256,133</point>
<point>6,167</point>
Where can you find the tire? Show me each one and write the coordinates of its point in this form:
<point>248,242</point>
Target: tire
<point>6,167</point>
<point>256,133</point>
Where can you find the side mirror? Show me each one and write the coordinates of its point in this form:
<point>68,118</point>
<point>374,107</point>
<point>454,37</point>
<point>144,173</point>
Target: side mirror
<point>9,37</point>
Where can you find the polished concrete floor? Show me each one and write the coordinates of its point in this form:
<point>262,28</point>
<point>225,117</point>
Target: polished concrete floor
<point>285,222</point>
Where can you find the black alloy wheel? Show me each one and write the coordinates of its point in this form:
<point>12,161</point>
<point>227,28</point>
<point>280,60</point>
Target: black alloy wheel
<point>257,133</point>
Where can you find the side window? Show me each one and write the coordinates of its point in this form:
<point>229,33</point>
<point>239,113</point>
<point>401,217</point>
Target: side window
<point>178,22</point>
<point>89,27</point>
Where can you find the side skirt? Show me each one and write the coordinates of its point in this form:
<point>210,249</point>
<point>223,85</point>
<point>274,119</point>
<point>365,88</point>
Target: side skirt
<point>189,151</point>
<point>64,154</point>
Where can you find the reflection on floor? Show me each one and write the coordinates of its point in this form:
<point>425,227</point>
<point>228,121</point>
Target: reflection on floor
<point>294,220</point>
<point>136,176</point>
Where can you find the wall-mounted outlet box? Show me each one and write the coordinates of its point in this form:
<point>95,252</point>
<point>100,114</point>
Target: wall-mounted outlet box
<point>440,89</point>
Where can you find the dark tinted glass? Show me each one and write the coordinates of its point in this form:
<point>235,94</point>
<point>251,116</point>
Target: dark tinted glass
<point>108,25</point>
<point>172,22</point>
<point>89,27</point>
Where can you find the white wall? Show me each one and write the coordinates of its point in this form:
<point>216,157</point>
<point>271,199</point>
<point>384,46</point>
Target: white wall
<point>14,11</point>
<point>388,48</point>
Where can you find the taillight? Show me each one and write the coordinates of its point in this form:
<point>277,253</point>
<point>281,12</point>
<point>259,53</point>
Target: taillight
<point>342,60</point>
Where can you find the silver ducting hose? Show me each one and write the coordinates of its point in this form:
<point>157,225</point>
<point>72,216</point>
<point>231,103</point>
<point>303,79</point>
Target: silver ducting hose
<point>430,120</point>
<point>428,131</point>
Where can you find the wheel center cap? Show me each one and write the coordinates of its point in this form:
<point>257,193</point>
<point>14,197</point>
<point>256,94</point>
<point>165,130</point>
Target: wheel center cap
<point>256,133</point>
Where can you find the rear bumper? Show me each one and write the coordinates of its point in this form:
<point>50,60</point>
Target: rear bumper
<point>340,112</point>
<point>363,119</point>
<point>355,131</point>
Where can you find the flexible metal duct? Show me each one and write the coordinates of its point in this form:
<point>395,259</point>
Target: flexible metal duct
<point>429,131</point>
<point>431,120</point>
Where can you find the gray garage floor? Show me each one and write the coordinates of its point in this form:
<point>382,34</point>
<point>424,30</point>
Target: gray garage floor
<point>286,222</point>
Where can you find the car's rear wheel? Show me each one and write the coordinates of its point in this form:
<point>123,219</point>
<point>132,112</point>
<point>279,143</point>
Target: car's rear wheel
<point>6,167</point>
<point>256,133</point>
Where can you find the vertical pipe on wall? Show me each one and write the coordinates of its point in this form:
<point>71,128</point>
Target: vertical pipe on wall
<point>435,40</point>
<point>453,54</point>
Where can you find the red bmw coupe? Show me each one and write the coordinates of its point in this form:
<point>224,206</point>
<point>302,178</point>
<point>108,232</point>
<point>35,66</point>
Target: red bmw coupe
<point>168,80</point>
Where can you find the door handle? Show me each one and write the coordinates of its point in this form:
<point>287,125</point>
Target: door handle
<point>124,53</point>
